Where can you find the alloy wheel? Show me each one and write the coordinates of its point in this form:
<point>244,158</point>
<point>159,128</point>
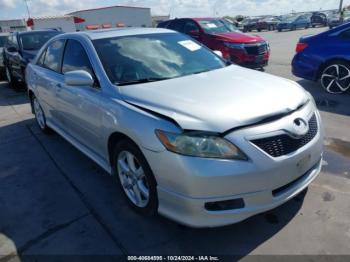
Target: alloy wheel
<point>133,179</point>
<point>39,114</point>
<point>335,79</point>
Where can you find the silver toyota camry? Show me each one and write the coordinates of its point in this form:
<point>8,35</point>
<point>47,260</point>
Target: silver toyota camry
<point>184,133</point>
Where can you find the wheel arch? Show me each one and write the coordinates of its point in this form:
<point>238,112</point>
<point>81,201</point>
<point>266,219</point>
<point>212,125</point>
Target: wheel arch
<point>113,139</point>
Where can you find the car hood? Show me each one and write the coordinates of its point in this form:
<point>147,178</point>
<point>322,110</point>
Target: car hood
<point>238,37</point>
<point>218,100</point>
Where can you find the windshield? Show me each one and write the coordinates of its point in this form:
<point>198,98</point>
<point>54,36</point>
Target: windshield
<point>168,55</point>
<point>2,41</point>
<point>215,26</point>
<point>34,41</point>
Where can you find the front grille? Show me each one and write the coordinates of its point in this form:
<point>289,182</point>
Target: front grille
<point>284,144</point>
<point>256,49</point>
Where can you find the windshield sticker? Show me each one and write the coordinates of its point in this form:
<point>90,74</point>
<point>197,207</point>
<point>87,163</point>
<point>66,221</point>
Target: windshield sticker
<point>190,45</point>
<point>211,25</point>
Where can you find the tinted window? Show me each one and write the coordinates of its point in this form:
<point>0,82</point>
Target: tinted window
<point>168,55</point>
<point>34,41</point>
<point>53,55</point>
<point>75,58</point>
<point>177,25</point>
<point>190,26</point>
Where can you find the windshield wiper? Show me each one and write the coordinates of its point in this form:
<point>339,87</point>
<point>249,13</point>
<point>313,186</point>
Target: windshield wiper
<point>142,81</point>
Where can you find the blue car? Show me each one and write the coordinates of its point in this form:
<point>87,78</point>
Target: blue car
<point>294,23</point>
<point>325,57</point>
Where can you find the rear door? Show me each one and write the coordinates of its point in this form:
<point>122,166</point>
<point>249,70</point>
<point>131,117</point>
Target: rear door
<point>48,78</point>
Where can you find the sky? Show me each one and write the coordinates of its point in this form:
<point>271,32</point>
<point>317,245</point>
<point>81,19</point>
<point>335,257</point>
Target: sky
<point>176,8</point>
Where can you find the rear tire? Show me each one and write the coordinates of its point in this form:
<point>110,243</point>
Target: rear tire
<point>135,178</point>
<point>40,116</point>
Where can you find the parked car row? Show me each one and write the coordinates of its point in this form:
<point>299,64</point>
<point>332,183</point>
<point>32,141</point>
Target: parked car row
<point>335,20</point>
<point>287,22</point>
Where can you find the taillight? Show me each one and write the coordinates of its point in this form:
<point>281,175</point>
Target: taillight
<point>300,47</point>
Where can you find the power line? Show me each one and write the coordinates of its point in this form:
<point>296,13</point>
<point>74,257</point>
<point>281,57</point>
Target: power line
<point>26,2</point>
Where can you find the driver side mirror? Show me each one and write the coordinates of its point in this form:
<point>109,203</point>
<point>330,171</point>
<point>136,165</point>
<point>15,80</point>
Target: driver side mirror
<point>78,78</point>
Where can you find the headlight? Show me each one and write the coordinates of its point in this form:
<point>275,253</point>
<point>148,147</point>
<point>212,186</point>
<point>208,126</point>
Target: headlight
<point>200,145</point>
<point>234,45</point>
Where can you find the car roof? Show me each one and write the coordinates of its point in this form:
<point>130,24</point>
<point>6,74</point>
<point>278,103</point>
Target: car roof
<point>116,32</point>
<point>205,18</point>
<point>37,31</point>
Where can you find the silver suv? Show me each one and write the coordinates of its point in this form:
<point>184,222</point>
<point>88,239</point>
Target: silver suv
<point>184,133</point>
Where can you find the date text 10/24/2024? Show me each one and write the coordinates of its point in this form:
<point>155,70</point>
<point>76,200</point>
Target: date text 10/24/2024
<point>173,258</point>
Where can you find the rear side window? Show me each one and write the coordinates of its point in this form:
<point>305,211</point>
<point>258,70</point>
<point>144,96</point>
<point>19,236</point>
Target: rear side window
<point>177,25</point>
<point>53,55</point>
<point>75,58</point>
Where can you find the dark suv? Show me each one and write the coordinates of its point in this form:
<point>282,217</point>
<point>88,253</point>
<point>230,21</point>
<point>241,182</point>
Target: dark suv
<point>319,19</point>
<point>20,48</point>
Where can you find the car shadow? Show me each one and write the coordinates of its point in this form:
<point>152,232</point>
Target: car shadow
<point>332,103</point>
<point>45,182</point>
<point>9,96</point>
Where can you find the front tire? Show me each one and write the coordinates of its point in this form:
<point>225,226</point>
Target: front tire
<point>40,116</point>
<point>135,178</point>
<point>335,77</point>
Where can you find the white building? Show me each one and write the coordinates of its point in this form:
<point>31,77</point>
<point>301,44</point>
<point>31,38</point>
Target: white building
<point>113,16</point>
<point>66,23</point>
<point>13,25</point>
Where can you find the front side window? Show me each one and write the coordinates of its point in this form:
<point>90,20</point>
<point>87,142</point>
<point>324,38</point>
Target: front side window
<point>190,26</point>
<point>34,41</point>
<point>53,55</point>
<point>75,58</point>
<point>167,55</point>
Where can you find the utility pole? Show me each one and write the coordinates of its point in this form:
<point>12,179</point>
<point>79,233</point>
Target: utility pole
<point>341,6</point>
<point>26,2</point>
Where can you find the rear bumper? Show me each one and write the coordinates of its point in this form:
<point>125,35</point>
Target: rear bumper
<point>304,67</point>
